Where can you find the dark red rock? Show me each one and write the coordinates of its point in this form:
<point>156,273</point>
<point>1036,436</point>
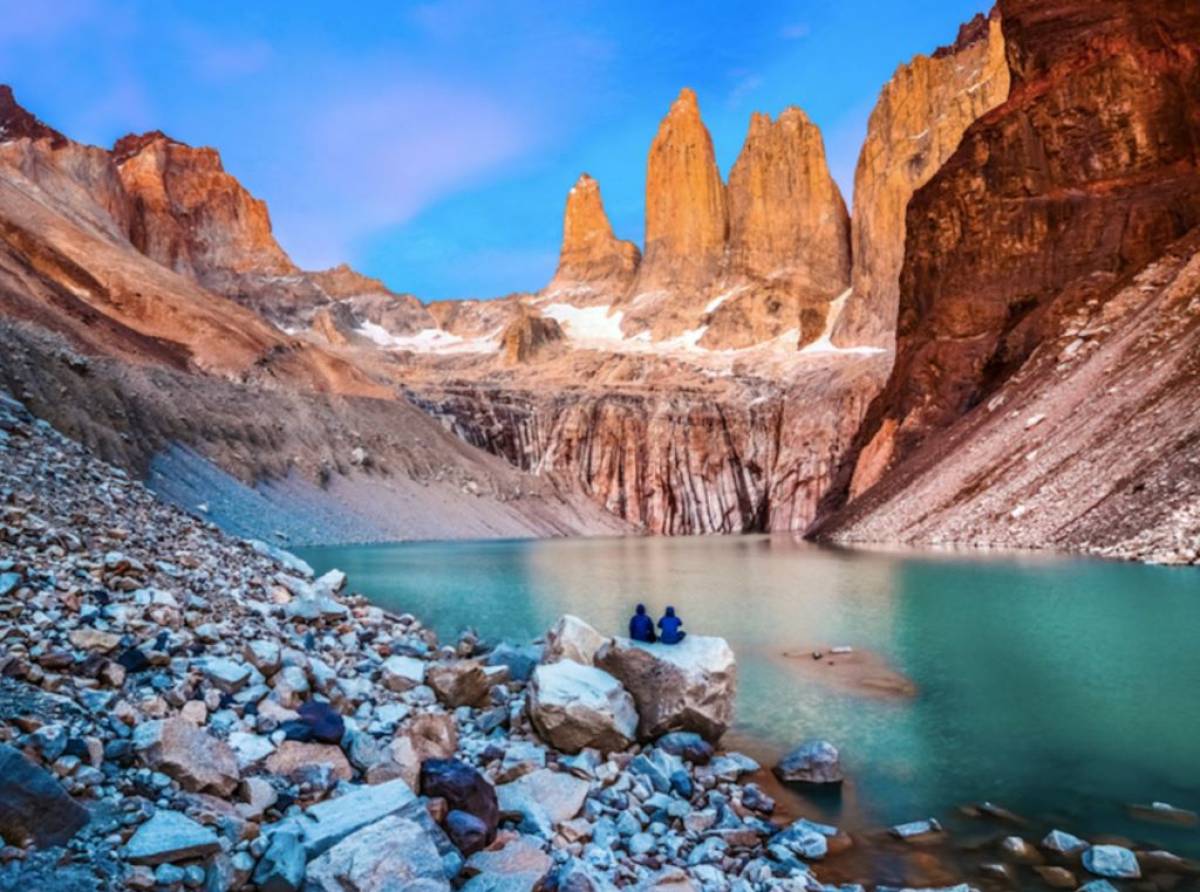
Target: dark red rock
<point>465,790</point>
<point>1092,167</point>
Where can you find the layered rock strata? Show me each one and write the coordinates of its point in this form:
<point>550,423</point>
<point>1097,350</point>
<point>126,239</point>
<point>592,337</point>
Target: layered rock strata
<point>914,128</point>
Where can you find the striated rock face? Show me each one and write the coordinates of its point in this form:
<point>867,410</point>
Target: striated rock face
<point>675,460</point>
<point>190,215</point>
<point>592,261</point>
<point>788,253</point>
<point>687,224</point>
<point>916,125</point>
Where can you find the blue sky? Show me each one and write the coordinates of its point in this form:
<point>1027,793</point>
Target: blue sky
<point>433,144</point>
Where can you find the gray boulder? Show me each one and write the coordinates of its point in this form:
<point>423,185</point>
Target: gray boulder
<point>677,687</point>
<point>1063,843</point>
<point>813,762</point>
<point>517,867</point>
<point>543,800</point>
<point>33,805</point>
<point>327,823</point>
<point>394,854</point>
<point>170,836</point>
<point>281,868</point>
<point>573,706</point>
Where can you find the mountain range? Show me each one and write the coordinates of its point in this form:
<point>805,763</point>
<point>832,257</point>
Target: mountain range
<point>997,345</point>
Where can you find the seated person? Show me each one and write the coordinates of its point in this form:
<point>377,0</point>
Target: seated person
<point>670,623</point>
<point>641,627</point>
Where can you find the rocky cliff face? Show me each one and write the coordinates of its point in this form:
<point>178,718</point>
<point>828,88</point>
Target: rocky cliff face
<point>190,215</point>
<point>1089,172</point>
<point>788,254</point>
<point>748,455</point>
<point>686,215</point>
<point>593,263</point>
<point>915,127</point>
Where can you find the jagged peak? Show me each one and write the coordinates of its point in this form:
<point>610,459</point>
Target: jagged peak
<point>685,104</point>
<point>134,143</point>
<point>969,34</point>
<point>18,123</point>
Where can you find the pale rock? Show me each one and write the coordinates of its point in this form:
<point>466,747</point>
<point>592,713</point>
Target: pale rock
<point>574,706</point>
<point>688,686</point>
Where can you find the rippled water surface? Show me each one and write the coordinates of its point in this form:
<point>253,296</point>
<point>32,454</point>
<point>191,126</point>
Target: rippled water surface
<point>1063,689</point>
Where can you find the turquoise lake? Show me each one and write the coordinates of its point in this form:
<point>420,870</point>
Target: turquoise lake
<point>1063,689</point>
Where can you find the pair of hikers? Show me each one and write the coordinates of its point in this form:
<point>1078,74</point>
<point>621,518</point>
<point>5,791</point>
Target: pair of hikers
<point>641,627</point>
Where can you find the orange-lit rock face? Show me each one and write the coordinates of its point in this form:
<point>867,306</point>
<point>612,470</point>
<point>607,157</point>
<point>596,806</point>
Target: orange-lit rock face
<point>1088,171</point>
<point>916,125</point>
<point>788,254</point>
<point>192,216</point>
<point>686,217</point>
<point>787,219</point>
<point>592,261</point>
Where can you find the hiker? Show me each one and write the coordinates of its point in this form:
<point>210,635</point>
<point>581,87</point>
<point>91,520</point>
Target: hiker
<point>670,623</point>
<point>641,627</point>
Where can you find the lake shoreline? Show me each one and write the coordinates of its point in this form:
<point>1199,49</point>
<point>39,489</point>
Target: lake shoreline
<point>182,708</point>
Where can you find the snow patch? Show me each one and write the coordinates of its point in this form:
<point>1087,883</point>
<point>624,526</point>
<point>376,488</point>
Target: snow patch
<point>713,304</point>
<point>430,340</point>
<point>587,323</point>
<point>825,344</point>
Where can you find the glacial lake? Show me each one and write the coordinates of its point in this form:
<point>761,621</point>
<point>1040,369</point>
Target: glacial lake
<point>1062,689</point>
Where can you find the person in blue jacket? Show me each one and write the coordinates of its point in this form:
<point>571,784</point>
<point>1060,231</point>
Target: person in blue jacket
<point>641,627</point>
<point>670,623</point>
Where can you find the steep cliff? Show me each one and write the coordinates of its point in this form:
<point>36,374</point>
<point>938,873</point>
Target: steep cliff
<point>1086,175</point>
<point>593,264</point>
<point>190,215</point>
<point>915,127</point>
<point>687,224</point>
<point>669,446</point>
<point>788,252</point>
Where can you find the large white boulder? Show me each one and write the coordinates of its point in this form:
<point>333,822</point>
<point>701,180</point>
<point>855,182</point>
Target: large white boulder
<point>573,706</point>
<point>572,639</point>
<point>688,686</point>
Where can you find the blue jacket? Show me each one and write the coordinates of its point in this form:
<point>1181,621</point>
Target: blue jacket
<point>670,629</point>
<point>641,628</point>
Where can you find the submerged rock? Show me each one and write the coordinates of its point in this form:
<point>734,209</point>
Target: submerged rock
<point>813,762</point>
<point>1063,843</point>
<point>677,687</point>
<point>573,706</point>
<point>1116,862</point>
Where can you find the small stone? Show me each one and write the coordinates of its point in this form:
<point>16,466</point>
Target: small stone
<point>1115,862</point>
<point>1063,843</point>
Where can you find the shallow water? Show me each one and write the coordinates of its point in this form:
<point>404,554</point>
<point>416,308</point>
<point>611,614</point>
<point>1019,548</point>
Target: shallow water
<point>1063,689</point>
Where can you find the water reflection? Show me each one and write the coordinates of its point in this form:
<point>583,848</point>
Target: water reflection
<point>1063,688</point>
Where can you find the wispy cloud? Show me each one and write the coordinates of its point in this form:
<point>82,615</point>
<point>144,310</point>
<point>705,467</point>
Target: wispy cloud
<point>745,83</point>
<point>371,156</point>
